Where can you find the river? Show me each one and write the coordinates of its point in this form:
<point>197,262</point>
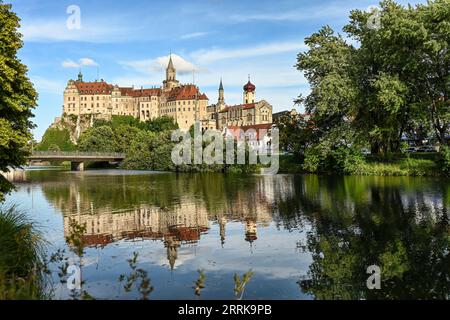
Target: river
<point>303,236</point>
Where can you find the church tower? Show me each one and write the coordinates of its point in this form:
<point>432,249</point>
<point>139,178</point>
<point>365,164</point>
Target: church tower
<point>172,245</point>
<point>170,71</point>
<point>171,81</point>
<point>249,92</point>
<point>221,100</point>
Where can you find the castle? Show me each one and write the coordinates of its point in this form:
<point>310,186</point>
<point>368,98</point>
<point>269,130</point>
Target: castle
<point>183,102</point>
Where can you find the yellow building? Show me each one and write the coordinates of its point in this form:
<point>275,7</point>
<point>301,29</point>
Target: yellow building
<point>185,103</point>
<point>249,113</point>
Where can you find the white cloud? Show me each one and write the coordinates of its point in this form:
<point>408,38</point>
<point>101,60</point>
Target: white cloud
<point>159,64</point>
<point>275,76</point>
<point>336,10</point>
<point>88,62</point>
<point>193,35</point>
<point>93,31</point>
<point>128,81</point>
<point>70,64</point>
<point>211,55</point>
<point>81,62</point>
<point>301,15</point>
<point>48,86</point>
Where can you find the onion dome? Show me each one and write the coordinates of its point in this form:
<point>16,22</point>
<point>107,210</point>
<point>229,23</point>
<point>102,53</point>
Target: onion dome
<point>249,87</point>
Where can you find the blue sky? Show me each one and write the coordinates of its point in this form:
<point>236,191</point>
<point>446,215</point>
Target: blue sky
<point>128,42</point>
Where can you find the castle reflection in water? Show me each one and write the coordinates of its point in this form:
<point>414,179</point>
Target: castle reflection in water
<point>179,225</point>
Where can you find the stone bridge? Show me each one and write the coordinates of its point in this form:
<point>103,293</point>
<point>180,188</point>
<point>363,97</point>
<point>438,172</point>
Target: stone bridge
<point>76,158</point>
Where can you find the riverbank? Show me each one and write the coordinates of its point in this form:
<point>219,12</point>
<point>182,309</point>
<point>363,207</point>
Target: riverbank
<point>416,165</point>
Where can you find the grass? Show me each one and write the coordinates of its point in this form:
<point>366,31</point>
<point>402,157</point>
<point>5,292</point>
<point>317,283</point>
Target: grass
<point>419,164</point>
<point>405,167</point>
<point>21,257</point>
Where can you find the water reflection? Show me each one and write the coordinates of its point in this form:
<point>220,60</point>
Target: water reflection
<point>399,224</point>
<point>306,236</point>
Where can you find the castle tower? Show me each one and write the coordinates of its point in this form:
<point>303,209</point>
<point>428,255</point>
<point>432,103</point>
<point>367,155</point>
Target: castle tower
<point>249,92</point>
<point>171,73</point>
<point>221,100</point>
<point>172,246</point>
<point>80,77</point>
<point>250,230</point>
<point>222,224</point>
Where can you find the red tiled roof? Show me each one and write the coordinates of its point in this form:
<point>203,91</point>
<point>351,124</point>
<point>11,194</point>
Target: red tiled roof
<point>147,92</point>
<point>185,92</point>
<point>93,87</point>
<point>186,234</point>
<point>146,234</point>
<point>97,240</point>
<point>139,92</point>
<point>234,130</point>
<point>239,106</point>
<point>126,91</point>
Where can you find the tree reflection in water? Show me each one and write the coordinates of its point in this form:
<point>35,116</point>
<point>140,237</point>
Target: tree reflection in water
<point>358,224</point>
<point>400,224</point>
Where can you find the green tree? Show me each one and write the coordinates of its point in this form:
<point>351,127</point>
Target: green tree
<point>124,135</point>
<point>433,65</point>
<point>99,139</point>
<point>17,98</point>
<point>161,124</point>
<point>56,137</point>
<point>150,151</point>
<point>394,80</point>
<point>295,134</point>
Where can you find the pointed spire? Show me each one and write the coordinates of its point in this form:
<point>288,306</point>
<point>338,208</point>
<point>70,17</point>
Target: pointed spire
<point>170,66</point>
<point>221,100</point>
<point>80,76</point>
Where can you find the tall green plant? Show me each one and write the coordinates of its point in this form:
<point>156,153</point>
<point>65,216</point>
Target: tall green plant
<point>21,256</point>
<point>17,98</point>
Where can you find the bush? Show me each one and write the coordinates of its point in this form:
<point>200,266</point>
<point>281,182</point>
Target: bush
<point>21,257</point>
<point>443,161</point>
<point>290,164</point>
<point>340,160</point>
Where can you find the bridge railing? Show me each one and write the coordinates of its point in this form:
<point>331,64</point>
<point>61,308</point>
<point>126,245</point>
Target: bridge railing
<point>77,154</point>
